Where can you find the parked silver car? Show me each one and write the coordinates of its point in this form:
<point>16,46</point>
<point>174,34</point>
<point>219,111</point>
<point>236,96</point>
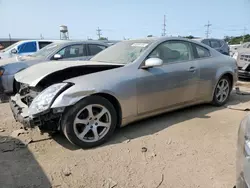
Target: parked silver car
<point>243,154</point>
<point>128,81</point>
<point>218,44</point>
<point>61,50</point>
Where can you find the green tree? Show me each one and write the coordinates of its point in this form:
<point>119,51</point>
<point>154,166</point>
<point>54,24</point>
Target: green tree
<point>103,38</point>
<point>189,37</point>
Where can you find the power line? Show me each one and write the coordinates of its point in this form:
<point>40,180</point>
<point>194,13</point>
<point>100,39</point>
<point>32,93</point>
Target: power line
<point>99,32</point>
<point>207,31</point>
<point>164,26</point>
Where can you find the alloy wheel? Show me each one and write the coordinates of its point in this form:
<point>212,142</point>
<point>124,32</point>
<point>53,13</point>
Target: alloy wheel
<point>222,90</point>
<point>92,123</point>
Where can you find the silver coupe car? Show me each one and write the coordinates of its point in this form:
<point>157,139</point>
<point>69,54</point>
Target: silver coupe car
<point>126,82</point>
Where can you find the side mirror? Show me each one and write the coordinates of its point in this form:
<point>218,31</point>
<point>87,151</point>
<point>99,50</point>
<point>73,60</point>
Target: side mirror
<point>57,56</point>
<point>13,51</point>
<point>152,62</point>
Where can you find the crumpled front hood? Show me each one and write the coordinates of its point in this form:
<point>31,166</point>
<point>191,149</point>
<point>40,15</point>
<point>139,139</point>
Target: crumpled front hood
<point>34,74</point>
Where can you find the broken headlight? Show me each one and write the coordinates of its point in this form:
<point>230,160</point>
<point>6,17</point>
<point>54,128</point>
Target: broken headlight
<point>44,100</point>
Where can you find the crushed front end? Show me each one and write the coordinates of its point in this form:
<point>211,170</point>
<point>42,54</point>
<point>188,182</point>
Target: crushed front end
<point>47,120</point>
<point>243,63</point>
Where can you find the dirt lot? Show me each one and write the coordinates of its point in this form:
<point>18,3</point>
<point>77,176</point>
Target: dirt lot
<point>190,148</point>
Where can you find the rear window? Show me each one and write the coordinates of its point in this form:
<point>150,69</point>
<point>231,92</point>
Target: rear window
<point>215,44</point>
<point>95,49</point>
<point>201,51</point>
<point>43,44</point>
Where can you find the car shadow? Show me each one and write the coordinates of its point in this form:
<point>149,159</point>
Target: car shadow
<point>4,98</point>
<point>18,166</point>
<point>158,123</point>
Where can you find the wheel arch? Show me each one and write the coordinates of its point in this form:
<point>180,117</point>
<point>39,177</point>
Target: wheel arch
<point>114,101</point>
<point>218,77</point>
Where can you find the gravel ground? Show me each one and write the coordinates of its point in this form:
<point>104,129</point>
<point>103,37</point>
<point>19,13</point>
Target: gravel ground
<point>189,148</point>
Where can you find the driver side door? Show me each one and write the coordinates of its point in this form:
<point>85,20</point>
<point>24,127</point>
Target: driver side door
<point>174,83</point>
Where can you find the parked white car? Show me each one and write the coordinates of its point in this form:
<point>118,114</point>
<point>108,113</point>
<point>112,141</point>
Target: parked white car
<point>25,47</point>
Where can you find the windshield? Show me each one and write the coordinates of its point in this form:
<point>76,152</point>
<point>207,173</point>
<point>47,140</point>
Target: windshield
<point>122,52</point>
<point>246,45</point>
<point>47,50</point>
<point>11,46</point>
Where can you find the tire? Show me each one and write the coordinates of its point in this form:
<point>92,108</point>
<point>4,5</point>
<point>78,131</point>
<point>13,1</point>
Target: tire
<point>16,87</point>
<point>217,101</point>
<point>72,131</point>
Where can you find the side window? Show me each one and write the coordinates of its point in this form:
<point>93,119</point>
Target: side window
<point>27,47</point>
<point>72,51</point>
<point>95,49</point>
<point>215,44</point>
<point>201,51</point>
<point>173,51</point>
<point>43,44</point>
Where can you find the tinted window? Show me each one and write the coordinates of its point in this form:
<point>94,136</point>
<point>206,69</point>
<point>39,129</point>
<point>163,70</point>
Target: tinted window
<point>73,51</point>
<point>201,51</point>
<point>172,51</point>
<point>27,47</point>
<point>215,44</point>
<point>95,49</point>
<point>43,44</point>
<point>221,42</point>
<point>206,42</point>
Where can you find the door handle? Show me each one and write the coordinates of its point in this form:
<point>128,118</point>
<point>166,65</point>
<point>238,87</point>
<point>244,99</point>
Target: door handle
<point>192,69</point>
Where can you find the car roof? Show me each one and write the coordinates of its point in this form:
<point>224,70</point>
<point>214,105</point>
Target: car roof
<point>80,42</point>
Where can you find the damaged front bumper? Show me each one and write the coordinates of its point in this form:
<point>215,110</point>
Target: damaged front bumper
<point>20,112</point>
<point>48,121</point>
<point>243,73</point>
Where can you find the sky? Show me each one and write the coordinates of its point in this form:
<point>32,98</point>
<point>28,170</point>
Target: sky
<point>121,19</point>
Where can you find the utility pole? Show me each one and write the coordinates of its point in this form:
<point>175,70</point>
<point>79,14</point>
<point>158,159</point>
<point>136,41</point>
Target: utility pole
<point>9,39</point>
<point>244,33</point>
<point>207,31</point>
<point>99,32</point>
<point>164,26</point>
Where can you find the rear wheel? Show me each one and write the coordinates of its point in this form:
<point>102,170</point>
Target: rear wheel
<point>222,91</point>
<point>90,122</point>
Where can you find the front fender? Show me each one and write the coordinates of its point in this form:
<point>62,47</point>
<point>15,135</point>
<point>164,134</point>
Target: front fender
<point>13,68</point>
<point>68,98</point>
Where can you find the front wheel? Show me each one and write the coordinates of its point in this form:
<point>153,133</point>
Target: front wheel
<point>90,122</point>
<point>222,91</point>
